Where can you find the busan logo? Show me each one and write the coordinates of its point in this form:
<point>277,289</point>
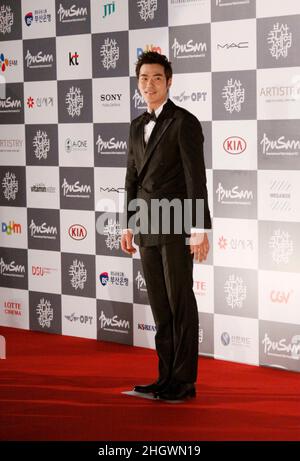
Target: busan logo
<point>225,339</point>
<point>234,145</point>
<point>77,232</point>
<point>104,278</point>
<point>28,19</point>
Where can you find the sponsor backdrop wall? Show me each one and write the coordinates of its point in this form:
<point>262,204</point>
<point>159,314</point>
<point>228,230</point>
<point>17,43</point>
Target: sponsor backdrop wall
<point>70,95</point>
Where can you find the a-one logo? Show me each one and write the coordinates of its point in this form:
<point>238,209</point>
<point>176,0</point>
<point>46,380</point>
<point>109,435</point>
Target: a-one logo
<point>77,232</point>
<point>75,145</point>
<point>234,95</point>
<point>225,338</point>
<point>28,19</point>
<point>234,145</point>
<point>104,278</point>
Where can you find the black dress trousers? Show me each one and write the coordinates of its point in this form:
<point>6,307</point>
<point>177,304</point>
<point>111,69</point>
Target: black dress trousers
<point>168,272</point>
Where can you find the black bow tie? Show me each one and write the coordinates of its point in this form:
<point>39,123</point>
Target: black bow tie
<point>147,117</point>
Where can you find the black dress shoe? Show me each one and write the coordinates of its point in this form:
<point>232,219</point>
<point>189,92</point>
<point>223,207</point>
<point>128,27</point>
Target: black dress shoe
<point>150,388</point>
<point>177,391</point>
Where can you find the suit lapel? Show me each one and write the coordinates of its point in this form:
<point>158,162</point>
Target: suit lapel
<point>163,122</point>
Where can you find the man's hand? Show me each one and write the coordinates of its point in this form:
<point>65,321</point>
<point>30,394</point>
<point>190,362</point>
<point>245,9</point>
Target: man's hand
<point>126,242</point>
<point>199,246</point>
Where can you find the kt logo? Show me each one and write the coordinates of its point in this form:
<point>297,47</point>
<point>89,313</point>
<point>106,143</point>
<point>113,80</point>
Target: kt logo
<point>73,59</point>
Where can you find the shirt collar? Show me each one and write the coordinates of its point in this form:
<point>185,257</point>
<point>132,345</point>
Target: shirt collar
<point>159,109</point>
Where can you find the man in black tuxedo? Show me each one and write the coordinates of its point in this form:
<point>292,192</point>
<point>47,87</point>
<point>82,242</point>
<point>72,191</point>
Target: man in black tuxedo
<point>165,161</point>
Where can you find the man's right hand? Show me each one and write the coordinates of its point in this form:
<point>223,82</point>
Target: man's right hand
<point>126,242</point>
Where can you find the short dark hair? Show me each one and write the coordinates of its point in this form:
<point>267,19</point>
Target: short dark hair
<point>152,57</point>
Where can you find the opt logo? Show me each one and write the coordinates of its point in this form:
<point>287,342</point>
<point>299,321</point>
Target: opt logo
<point>234,145</point>
<point>77,232</point>
<point>225,339</point>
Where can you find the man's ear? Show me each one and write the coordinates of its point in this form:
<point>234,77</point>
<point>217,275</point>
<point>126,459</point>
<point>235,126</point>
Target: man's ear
<point>169,82</point>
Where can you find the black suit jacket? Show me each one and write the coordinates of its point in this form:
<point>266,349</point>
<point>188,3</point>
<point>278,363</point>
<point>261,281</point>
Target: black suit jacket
<point>171,166</point>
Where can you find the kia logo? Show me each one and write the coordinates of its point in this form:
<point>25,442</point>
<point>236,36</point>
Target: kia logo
<point>77,232</point>
<point>234,145</point>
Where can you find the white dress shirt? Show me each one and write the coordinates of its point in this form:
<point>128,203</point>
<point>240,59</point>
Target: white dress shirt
<point>147,133</point>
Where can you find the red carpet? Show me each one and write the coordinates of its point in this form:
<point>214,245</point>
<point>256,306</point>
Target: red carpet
<point>64,388</point>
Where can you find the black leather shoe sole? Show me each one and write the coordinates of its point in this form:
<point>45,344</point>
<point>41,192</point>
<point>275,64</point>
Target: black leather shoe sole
<point>150,388</point>
<point>182,395</point>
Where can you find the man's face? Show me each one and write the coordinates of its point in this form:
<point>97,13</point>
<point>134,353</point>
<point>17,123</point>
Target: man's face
<point>153,84</point>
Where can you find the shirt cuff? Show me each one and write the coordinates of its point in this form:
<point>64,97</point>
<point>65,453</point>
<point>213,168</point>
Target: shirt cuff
<point>195,229</point>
